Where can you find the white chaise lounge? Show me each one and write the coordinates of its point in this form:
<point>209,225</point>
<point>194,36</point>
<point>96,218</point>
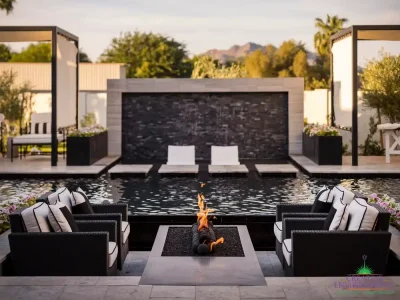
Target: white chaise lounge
<point>225,160</point>
<point>181,160</point>
<point>39,132</point>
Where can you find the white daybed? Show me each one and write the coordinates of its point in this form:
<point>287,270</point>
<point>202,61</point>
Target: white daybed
<point>225,160</point>
<point>39,133</point>
<point>181,160</point>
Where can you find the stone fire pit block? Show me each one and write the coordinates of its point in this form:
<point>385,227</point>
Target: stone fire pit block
<point>204,270</point>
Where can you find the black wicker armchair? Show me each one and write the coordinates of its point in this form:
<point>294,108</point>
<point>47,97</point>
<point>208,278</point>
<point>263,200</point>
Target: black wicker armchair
<point>311,251</point>
<point>89,252</point>
<point>284,210</point>
<point>113,212</point>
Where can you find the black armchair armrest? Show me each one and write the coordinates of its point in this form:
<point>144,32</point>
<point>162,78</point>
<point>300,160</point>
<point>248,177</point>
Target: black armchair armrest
<point>105,217</point>
<point>338,253</point>
<point>112,208</point>
<point>291,207</point>
<point>304,215</point>
<point>99,225</point>
<point>44,198</point>
<point>290,224</point>
<point>59,254</point>
<point>383,218</point>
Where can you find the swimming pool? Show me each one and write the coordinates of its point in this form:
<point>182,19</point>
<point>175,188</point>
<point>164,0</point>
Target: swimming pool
<point>251,195</point>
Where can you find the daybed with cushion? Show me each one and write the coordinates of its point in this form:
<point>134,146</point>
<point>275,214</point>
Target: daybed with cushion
<point>181,160</point>
<point>319,209</point>
<point>225,160</point>
<point>78,203</point>
<point>38,133</point>
<point>339,244</point>
<point>46,241</point>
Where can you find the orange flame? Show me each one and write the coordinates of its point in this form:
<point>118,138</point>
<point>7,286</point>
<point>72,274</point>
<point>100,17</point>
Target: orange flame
<point>219,241</point>
<point>202,184</point>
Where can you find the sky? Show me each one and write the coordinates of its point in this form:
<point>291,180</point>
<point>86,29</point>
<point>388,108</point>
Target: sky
<point>204,24</point>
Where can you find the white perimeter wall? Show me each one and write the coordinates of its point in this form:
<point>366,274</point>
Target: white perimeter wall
<point>317,104</point>
<point>66,82</point>
<point>88,102</point>
<point>343,80</point>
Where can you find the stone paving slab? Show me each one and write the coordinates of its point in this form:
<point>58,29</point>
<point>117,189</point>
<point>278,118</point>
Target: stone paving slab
<point>129,169</point>
<point>179,169</point>
<point>234,169</point>
<point>265,169</point>
<point>76,288</point>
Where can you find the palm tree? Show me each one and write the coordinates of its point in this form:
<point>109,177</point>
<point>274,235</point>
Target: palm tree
<point>7,5</point>
<point>326,29</point>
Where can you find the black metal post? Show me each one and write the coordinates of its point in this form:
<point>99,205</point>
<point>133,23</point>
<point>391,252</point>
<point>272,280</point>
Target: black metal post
<point>77,84</point>
<point>54,141</point>
<point>354,151</point>
<point>332,86</point>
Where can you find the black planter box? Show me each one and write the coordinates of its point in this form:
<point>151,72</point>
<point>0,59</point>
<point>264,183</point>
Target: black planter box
<point>85,151</point>
<point>323,150</point>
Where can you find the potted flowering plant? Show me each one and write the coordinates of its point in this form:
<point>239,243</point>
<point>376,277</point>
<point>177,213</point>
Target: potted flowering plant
<point>390,205</point>
<point>322,144</point>
<point>10,206</point>
<point>87,145</point>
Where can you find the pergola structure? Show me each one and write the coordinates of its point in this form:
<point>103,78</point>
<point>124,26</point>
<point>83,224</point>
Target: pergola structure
<point>64,72</point>
<point>344,73</point>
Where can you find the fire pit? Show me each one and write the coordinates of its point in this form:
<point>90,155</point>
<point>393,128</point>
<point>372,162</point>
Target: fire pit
<point>202,254</point>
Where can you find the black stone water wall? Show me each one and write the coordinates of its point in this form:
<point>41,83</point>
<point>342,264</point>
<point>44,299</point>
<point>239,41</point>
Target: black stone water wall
<point>256,122</point>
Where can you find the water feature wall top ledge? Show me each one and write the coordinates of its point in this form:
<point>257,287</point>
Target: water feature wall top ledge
<point>289,94</point>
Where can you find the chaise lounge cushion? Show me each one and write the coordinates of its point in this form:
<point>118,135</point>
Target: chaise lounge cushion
<point>126,229</point>
<point>81,204</point>
<point>35,218</point>
<point>181,155</point>
<point>225,155</point>
<point>341,193</point>
<point>287,251</point>
<point>112,253</point>
<point>61,219</point>
<point>278,231</point>
<point>363,217</point>
<point>323,201</point>
<point>35,139</point>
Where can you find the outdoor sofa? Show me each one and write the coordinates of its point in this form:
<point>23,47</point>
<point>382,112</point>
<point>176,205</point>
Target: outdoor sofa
<point>37,251</point>
<point>117,212</point>
<point>352,234</point>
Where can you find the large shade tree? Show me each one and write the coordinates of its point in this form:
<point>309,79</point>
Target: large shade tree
<point>7,5</point>
<point>5,53</point>
<point>149,55</point>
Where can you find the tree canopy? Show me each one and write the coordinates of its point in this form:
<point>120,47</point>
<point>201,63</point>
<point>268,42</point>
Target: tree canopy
<point>7,5</point>
<point>149,55</point>
<point>207,67</point>
<point>326,29</point>
<point>381,88</point>
<point>5,53</point>
<point>38,52</point>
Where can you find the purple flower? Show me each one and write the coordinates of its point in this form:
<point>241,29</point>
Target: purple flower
<point>374,196</point>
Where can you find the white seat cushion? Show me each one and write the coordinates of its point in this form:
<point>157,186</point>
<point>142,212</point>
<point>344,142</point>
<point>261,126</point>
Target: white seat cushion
<point>363,217</point>
<point>31,139</point>
<point>225,155</point>
<point>287,251</point>
<point>112,253</point>
<point>341,193</point>
<point>126,229</point>
<point>278,231</point>
<point>35,218</point>
<point>181,155</point>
